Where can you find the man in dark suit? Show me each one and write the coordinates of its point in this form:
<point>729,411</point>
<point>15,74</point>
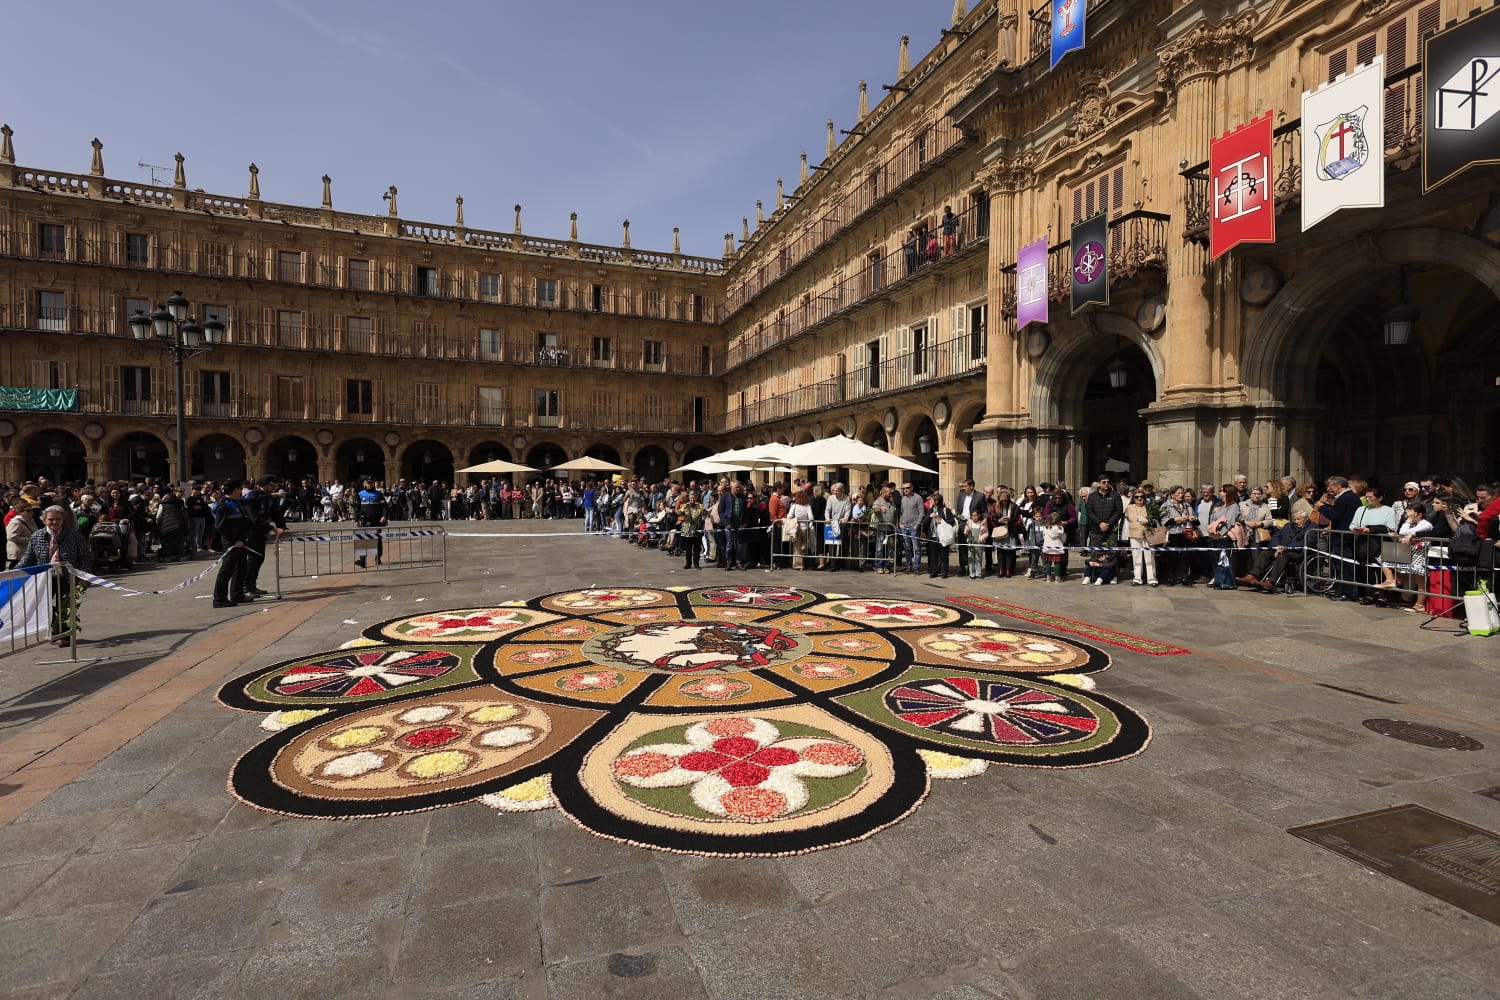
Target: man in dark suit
<point>1337,509</point>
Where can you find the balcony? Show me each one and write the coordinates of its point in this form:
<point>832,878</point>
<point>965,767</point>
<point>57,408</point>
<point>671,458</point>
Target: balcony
<point>1403,147</point>
<point>879,276</point>
<point>946,361</point>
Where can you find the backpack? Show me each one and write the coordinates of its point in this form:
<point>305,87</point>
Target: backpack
<point>1463,547</point>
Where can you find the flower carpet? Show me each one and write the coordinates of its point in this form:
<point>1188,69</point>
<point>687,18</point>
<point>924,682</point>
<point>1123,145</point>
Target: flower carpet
<point>722,721</point>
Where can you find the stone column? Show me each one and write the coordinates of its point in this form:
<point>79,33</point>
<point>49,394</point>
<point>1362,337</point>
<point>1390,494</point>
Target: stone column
<point>951,471</point>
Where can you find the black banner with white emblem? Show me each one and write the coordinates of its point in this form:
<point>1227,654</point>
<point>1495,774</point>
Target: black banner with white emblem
<point>1461,77</point>
<point>1089,253</point>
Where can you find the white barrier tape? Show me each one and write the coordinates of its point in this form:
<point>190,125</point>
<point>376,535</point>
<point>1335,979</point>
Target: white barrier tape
<point>389,534</point>
<point>99,581</point>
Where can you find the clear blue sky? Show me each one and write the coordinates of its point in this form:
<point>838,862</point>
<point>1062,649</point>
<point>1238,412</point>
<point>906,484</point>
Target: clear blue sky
<point>665,112</point>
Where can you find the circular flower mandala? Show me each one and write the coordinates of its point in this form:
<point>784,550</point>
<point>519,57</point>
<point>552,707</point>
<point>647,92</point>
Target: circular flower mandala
<point>726,721</point>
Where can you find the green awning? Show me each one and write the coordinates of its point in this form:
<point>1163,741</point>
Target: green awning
<point>12,398</point>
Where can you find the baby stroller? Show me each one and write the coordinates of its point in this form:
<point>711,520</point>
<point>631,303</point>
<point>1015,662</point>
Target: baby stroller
<point>109,546</point>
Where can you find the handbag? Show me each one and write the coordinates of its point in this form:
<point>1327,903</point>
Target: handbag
<point>1001,531</point>
<point>1239,535</point>
<point>1190,533</point>
<point>1262,535</point>
<point>790,526</point>
<point>1156,536</point>
<point>944,532</point>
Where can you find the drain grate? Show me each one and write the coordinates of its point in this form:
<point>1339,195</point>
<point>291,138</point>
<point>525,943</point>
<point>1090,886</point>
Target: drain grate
<point>1422,734</point>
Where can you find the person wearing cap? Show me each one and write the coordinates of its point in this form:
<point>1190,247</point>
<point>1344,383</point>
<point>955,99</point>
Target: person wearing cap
<point>371,513</point>
<point>234,529</point>
<point>18,531</point>
<point>263,506</point>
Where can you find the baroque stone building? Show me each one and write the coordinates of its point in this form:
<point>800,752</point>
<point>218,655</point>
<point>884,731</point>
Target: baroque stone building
<point>368,343</point>
<point>356,344</point>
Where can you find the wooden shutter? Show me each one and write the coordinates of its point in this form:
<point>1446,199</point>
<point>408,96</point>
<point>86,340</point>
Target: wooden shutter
<point>111,382</point>
<point>41,374</point>
<point>932,342</point>
<point>236,392</point>
<point>193,387</point>
<point>904,366</point>
<point>160,394</point>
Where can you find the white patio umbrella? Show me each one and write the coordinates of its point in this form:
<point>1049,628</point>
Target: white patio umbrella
<point>761,456</point>
<point>498,466</point>
<point>709,468</point>
<point>840,452</point>
<point>587,464</point>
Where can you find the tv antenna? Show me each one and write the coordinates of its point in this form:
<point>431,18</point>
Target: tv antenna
<point>165,171</point>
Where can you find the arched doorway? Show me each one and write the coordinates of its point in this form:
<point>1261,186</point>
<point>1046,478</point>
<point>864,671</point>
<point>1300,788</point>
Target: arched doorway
<point>603,453</point>
<point>965,414</point>
<point>545,455</point>
<point>488,451</point>
<point>357,458</point>
<point>427,462</point>
<point>1339,389</point>
<point>58,455</point>
<point>217,457</point>
<point>924,451</point>
<point>292,458</point>
<point>1114,432</point>
<point>651,463</point>
<point>139,455</point>
<point>696,454</point>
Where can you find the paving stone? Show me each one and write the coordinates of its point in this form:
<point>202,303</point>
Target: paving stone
<point>322,896</point>
<point>58,949</point>
<point>790,956</point>
<point>822,875</point>
<point>601,914</point>
<point>242,856</point>
<point>929,942</point>
<point>181,822</point>
<point>377,837</point>
<point>653,974</point>
<point>470,943</point>
<point>190,921</point>
<point>566,853</point>
<point>88,796</point>
<point>187,977</point>
<point>709,891</point>
<point>21,843</point>
<point>119,876</point>
<point>1113,969</point>
<point>346,961</point>
<point>17,881</point>
<point>457,874</point>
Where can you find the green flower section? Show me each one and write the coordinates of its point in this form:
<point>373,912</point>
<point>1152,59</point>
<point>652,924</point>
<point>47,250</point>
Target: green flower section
<point>996,715</point>
<point>357,676</point>
<point>678,801</point>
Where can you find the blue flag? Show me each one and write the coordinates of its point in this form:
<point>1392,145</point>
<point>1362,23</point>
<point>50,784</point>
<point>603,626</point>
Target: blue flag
<point>1067,27</point>
<point>25,603</point>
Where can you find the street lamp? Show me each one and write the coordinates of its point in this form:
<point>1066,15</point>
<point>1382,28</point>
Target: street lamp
<point>174,331</point>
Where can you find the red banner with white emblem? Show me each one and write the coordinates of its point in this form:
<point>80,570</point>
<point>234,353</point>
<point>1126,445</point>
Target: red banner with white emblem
<point>1240,173</point>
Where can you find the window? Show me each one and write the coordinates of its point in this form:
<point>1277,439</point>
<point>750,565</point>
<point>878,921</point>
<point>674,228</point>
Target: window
<point>491,405</point>
<point>1403,45</point>
<point>546,292</point>
<point>132,306</point>
<point>603,409</point>
<point>920,342</point>
<point>653,302</point>
<point>489,287</point>
<point>359,397</point>
<point>359,334</point>
<point>700,414</point>
<point>978,329</point>
<point>135,383</point>
<point>213,258</point>
<point>489,343</point>
<point>291,398</point>
<point>357,275</point>
<point>49,374</point>
<point>654,354</point>
<point>1104,193</point>
<point>705,359</point>
<point>981,202</point>
<point>215,392</point>
<point>922,149</point>
<point>655,412</point>
<point>596,298</point>
<point>137,250</point>
<point>288,328</point>
<point>603,350</point>
<point>546,407</point>
<point>289,265</point>
<point>51,241</point>
<point>697,301</point>
<point>427,397</point>
<point>876,268</point>
<point>872,364</point>
<point>52,311</point>
<point>427,281</point>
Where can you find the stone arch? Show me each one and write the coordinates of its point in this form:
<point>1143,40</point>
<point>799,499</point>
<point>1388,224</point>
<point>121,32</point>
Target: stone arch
<point>291,457</point>
<point>872,432</point>
<point>488,451</point>
<point>652,462</point>
<point>427,461</point>
<point>135,455</point>
<point>697,453</point>
<point>215,456</point>
<point>1281,355</point>
<point>1078,348</point>
<point>608,453</point>
<point>59,455</point>
<point>356,458</point>
<point>544,454</point>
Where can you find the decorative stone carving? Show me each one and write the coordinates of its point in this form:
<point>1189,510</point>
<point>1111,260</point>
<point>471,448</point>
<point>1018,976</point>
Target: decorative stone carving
<point>1091,111</point>
<point>1205,50</point>
<point>1012,173</point>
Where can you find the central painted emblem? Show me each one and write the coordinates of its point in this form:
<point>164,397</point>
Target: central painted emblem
<point>1088,262</point>
<point>704,647</point>
<point>1342,145</point>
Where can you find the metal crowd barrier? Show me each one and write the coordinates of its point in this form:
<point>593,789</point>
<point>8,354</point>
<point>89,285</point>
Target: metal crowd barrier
<point>38,608</point>
<point>358,550</point>
<point>1335,559</point>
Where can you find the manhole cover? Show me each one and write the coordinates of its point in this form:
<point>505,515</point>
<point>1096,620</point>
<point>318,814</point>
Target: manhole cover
<point>1423,735</point>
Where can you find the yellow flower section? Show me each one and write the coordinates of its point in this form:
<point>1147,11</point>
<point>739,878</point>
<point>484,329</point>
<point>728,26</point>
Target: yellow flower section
<point>360,736</point>
<point>437,765</point>
<point>494,713</point>
<point>529,791</point>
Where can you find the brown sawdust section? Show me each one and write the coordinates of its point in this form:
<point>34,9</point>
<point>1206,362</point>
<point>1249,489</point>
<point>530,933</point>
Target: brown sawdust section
<point>48,755</point>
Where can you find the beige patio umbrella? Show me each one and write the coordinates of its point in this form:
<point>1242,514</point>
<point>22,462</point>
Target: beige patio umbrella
<point>587,464</point>
<point>498,466</point>
<point>840,452</point>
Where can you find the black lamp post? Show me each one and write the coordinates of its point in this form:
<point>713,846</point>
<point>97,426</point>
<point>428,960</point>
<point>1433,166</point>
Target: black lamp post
<point>174,331</point>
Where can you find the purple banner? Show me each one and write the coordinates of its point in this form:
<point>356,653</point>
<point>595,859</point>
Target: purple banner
<point>1031,284</point>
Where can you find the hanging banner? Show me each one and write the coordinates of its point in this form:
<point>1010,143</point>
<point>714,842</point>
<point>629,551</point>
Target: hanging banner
<point>1089,249</point>
<point>1460,67</point>
<point>1240,180</point>
<point>12,398</point>
<point>1067,27</point>
<point>1343,144</point>
<point>1031,284</point>
<point>25,603</point>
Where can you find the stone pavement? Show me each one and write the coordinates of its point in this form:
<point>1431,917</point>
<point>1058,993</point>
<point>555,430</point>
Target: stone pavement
<point>128,871</point>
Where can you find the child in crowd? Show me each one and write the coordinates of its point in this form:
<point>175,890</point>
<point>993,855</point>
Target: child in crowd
<point>1034,528</point>
<point>979,537</point>
<point>1054,546</point>
<point>1100,568</point>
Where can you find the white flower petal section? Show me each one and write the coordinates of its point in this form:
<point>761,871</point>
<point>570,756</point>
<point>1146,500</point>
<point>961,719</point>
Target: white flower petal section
<point>1082,682</point>
<point>528,796</point>
<point>355,764</point>
<point>708,792</point>
<point>984,623</point>
<point>507,736</point>
<point>427,713</point>
<point>277,721</point>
